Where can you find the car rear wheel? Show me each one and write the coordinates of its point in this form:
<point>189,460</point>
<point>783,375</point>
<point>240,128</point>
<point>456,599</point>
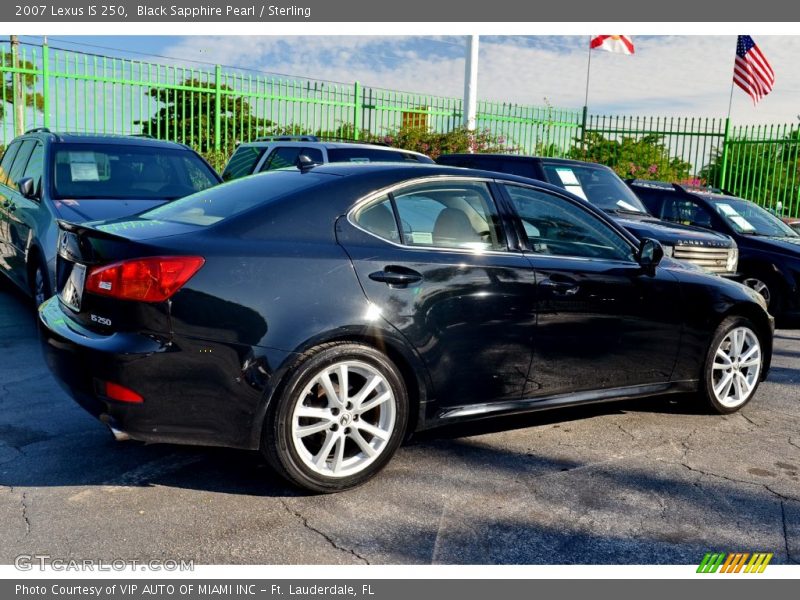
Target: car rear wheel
<point>340,419</point>
<point>733,366</point>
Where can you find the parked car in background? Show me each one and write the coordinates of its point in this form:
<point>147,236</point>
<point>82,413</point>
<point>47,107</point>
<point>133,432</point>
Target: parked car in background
<point>769,249</point>
<point>46,176</point>
<point>321,314</point>
<point>279,152</point>
<point>604,189</point>
<point>793,222</point>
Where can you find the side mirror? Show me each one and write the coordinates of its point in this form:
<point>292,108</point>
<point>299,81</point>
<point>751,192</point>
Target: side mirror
<point>305,163</point>
<point>650,253</point>
<point>26,188</point>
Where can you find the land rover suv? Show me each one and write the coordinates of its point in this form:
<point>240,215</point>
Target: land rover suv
<point>599,185</point>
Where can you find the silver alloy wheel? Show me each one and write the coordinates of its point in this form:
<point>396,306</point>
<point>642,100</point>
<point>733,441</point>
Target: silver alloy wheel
<point>736,368</point>
<point>758,286</point>
<point>343,419</point>
<point>38,287</point>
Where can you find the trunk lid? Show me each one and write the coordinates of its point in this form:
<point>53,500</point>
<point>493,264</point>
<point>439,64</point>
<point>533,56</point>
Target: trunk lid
<point>82,248</point>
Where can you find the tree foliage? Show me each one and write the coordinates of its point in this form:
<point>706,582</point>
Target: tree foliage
<point>190,116</point>
<point>768,173</point>
<point>31,97</point>
<point>645,157</point>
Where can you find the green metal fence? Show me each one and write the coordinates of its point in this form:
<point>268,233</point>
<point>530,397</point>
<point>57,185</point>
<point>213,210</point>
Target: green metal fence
<point>212,109</point>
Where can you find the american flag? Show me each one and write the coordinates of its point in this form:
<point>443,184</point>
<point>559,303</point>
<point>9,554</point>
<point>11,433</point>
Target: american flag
<point>752,72</point>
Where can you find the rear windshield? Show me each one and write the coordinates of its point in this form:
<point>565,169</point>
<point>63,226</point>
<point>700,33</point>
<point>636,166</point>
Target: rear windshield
<point>229,199</point>
<point>599,186</point>
<point>523,168</point>
<point>126,171</point>
<point>359,155</point>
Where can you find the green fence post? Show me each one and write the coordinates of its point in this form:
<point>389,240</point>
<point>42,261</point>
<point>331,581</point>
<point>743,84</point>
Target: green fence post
<point>217,108</point>
<point>724,178</point>
<point>358,108</point>
<point>46,84</point>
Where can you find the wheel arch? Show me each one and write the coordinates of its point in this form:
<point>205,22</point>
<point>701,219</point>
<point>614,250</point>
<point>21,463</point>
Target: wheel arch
<point>762,322</point>
<point>414,374</point>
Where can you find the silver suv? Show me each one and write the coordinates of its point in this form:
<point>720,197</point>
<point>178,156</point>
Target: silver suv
<point>279,152</point>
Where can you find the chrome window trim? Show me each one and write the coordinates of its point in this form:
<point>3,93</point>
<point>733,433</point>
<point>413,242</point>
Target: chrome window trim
<point>422,180</point>
<point>350,215</point>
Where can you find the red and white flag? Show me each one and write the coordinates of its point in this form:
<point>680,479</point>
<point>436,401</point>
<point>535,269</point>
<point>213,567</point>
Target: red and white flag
<point>621,44</point>
<point>752,71</point>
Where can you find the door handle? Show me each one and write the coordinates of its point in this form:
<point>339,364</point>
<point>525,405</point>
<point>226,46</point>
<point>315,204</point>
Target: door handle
<point>560,285</point>
<point>396,276</point>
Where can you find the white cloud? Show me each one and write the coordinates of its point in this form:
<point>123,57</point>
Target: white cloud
<point>668,76</point>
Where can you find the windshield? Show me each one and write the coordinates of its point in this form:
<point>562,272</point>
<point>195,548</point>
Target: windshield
<point>748,218</point>
<point>601,187</point>
<point>127,171</point>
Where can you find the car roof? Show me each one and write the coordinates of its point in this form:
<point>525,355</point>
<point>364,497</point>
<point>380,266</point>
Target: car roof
<point>403,170</point>
<point>102,138</point>
<point>326,145</point>
<point>526,158</point>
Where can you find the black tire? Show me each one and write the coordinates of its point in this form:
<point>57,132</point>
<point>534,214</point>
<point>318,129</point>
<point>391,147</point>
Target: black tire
<point>715,404</point>
<point>39,282</point>
<point>286,453</point>
<point>773,286</point>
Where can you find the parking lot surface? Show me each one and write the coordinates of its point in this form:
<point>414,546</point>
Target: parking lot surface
<point>651,481</point>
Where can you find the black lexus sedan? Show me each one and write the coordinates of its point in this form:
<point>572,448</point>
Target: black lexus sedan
<point>320,315</point>
<point>769,249</point>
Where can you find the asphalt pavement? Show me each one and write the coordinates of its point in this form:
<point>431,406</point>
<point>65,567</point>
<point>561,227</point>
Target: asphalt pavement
<point>650,481</point>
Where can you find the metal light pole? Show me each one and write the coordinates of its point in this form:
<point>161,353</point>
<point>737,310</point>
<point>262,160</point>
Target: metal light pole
<point>18,92</point>
<point>471,83</point>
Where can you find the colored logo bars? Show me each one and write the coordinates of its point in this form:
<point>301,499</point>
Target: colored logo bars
<point>734,562</point>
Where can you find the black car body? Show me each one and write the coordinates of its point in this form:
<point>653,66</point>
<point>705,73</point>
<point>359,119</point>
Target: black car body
<point>47,176</point>
<point>424,273</point>
<point>769,249</point>
<point>602,187</point>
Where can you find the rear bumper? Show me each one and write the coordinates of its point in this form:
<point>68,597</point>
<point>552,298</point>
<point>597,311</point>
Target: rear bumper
<point>195,391</point>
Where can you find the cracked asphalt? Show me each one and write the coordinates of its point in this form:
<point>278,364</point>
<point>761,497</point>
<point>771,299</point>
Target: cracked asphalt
<point>651,481</point>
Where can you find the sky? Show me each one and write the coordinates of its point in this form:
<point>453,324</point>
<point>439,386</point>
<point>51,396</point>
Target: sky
<point>667,76</point>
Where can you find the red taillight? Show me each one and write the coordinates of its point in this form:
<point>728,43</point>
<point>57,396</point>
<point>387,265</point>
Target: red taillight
<point>153,279</point>
<point>114,391</point>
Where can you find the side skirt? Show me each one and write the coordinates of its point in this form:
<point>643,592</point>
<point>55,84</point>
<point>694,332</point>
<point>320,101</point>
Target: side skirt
<point>492,409</point>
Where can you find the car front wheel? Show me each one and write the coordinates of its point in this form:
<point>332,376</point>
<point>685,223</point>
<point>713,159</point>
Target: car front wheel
<point>39,283</point>
<point>340,419</point>
<point>733,365</point>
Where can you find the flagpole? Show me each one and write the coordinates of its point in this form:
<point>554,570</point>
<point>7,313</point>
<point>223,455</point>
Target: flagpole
<point>588,72</point>
<point>730,100</point>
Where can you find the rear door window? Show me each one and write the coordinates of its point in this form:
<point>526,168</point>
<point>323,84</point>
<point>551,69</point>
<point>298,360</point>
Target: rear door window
<point>242,162</point>
<point>459,215</point>
<point>364,155</point>
<point>281,158</point>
